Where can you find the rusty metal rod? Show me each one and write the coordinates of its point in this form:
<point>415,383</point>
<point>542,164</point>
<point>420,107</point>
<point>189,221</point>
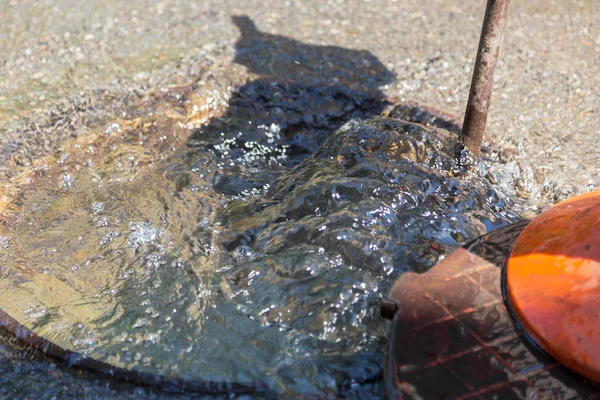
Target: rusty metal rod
<point>480,94</point>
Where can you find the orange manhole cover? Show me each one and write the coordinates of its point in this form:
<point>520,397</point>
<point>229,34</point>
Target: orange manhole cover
<point>553,282</point>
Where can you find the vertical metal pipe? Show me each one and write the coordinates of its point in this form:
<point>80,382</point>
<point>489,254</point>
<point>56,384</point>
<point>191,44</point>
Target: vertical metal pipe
<point>480,94</point>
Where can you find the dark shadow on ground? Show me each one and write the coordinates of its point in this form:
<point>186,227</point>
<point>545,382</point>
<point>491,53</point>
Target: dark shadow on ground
<point>303,94</point>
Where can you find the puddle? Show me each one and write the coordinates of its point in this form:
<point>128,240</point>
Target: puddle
<point>247,243</point>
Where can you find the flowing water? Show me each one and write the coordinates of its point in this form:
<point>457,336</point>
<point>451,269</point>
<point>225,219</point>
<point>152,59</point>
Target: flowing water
<point>243,237</point>
<point>235,256</point>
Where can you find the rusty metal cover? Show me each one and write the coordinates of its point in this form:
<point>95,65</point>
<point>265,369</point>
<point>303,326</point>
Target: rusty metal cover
<point>553,285</point>
<point>454,338</point>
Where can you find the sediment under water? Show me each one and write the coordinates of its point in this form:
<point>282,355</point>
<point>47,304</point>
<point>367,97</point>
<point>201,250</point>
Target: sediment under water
<point>242,250</point>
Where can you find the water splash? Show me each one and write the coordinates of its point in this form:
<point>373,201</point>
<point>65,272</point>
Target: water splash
<point>146,266</point>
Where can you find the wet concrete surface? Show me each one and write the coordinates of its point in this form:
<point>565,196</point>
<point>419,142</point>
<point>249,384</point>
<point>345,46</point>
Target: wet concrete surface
<point>69,72</point>
<point>59,57</point>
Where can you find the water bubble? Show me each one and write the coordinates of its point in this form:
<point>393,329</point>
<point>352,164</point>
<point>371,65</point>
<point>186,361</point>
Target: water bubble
<point>97,207</point>
<point>35,311</point>
<point>142,233</point>
<point>113,128</point>
<point>110,236</point>
<point>141,322</point>
<point>5,242</point>
<point>66,181</point>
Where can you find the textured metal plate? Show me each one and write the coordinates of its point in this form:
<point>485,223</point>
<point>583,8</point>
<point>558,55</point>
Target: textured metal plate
<point>454,337</point>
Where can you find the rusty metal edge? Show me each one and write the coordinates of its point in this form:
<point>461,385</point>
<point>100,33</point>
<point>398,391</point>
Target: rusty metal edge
<point>25,337</point>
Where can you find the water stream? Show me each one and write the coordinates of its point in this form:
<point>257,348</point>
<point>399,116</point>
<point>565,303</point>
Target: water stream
<point>236,238</point>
